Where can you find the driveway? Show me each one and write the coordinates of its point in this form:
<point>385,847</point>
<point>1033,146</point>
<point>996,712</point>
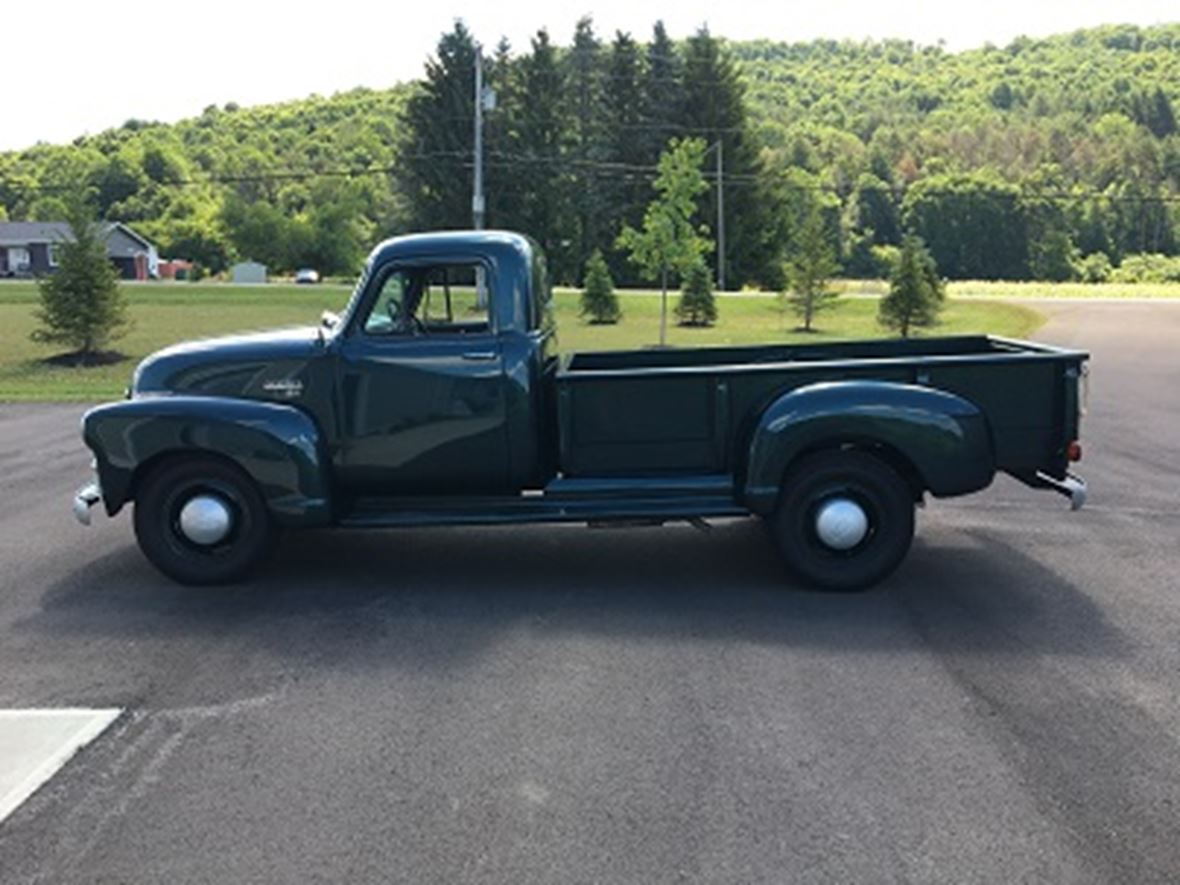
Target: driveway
<point>552,704</point>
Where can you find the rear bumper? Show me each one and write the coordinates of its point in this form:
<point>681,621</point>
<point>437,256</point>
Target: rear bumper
<point>85,498</point>
<point>1072,486</point>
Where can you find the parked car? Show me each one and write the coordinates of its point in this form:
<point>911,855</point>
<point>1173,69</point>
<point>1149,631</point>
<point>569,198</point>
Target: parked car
<point>305,275</point>
<point>439,398</point>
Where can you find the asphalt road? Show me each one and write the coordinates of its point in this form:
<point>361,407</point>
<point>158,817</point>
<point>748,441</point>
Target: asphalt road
<point>656,705</point>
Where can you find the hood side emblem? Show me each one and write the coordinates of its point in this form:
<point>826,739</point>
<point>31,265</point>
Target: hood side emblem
<point>286,387</point>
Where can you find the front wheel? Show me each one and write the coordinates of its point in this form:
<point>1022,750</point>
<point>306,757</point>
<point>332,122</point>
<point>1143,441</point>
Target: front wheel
<point>845,520</point>
<point>202,521</point>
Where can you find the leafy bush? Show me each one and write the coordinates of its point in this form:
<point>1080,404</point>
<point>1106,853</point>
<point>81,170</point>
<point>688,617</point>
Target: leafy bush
<point>1095,268</point>
<point>1147,268</point>
<point>885,260</point>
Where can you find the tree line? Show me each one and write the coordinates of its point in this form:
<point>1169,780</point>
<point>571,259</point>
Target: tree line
<point>1056,158</point>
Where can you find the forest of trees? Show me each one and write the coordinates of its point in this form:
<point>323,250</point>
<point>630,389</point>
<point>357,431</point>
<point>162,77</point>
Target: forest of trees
<point>1053,158</point>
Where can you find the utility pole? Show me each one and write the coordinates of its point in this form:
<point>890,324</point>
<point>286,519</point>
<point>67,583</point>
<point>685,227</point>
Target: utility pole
<point>477,200</point>
<point>720,215</point>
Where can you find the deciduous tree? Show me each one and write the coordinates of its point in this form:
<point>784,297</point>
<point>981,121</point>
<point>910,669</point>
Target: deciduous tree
<point>669,241</point>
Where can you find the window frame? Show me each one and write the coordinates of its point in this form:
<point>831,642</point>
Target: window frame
<point>376,283</point>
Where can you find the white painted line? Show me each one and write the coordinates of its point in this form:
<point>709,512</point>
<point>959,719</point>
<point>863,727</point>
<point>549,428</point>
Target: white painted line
<point>35,744</point>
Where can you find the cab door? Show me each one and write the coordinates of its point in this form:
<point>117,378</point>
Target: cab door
<point>422,386</point>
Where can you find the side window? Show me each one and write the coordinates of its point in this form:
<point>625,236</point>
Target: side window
<point>387,314</point>
<point>444,299</point>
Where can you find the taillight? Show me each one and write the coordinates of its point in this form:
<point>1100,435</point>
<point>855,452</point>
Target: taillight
<point>1073,451</point>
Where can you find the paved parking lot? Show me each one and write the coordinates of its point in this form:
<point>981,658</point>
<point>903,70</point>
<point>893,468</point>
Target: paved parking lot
<point>553,704</point>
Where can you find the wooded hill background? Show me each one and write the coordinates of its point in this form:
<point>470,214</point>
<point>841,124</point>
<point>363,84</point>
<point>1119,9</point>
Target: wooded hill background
<point>1044,159</point>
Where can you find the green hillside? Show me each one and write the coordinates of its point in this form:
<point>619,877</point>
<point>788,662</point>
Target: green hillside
<point>1049,159</point>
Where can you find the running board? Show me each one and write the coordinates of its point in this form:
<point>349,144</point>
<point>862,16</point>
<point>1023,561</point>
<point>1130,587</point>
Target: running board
<point>405,512</point>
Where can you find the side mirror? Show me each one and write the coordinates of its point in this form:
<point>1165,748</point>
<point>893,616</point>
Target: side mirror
<point>329,320</point>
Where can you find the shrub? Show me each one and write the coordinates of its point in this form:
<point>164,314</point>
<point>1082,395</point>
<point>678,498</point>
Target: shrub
<point>811,266</point>
<point>1095,268</point>
<point>82,306</point>
<point>697,306</point>
<point>885,260</point>
<point>599,301</point>
<point>915,291</point>
<point>1147,268</point>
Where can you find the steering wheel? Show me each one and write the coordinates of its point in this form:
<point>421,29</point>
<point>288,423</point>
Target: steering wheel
<point>404,321</point>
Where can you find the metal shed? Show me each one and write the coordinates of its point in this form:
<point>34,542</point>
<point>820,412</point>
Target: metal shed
<point>249,272</point>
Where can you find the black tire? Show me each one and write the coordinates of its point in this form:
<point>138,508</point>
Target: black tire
<point>880,492</point>
<point>158,502</point>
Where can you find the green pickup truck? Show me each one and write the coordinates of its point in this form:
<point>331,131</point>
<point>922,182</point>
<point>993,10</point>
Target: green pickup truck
<point>440,398</point>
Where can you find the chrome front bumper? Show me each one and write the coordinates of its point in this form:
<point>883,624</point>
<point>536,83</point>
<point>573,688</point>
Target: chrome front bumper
<point>85,498</point>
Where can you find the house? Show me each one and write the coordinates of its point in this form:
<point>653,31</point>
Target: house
<point>249,272</point>
<point>29,248</point>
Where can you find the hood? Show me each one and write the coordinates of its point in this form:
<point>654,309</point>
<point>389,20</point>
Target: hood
<point>263,365</point>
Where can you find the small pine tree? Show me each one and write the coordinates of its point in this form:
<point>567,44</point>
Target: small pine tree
<point>697,306</point>
<point>810,268</point>
<point>599,301</point>
<point>82,306</point>
<point>916,292</point>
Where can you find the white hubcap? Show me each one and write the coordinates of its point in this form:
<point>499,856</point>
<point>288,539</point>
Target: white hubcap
<point>205,520</point>
<point>841,523</point>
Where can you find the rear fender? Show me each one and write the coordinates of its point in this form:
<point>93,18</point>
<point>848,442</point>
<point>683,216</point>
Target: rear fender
<point>278,445</point>
<point>944,437</point>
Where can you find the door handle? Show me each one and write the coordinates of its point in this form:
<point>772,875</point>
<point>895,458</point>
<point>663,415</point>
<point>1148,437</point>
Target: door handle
<point>480,356</point>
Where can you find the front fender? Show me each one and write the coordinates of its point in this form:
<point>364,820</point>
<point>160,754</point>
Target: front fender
<point>278,445</point>
<point>944,437</point>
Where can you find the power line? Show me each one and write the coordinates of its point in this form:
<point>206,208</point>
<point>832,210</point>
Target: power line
<point>605,169</point>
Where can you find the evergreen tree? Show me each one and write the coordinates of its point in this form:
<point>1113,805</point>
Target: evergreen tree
<point>697,306</point>
<point>436,176</point>
<point>662,105</point>
<point>669,242</point>
<point>875,210</point>
<point>541,147</point>
<point>584,64</point>
<point>916,292</point>
<point>811,266</point>
<point>599,301</point>
<point>82,306</point>
<point>505,182</point>
<point>626,192</point>
<point>1154,111</point>
<point>715,110</point>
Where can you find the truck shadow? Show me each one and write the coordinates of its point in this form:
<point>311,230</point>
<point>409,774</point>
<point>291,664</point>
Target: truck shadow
<point>442,597</point>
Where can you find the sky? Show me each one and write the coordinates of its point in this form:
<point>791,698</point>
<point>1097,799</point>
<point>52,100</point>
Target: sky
<point>81,67</point>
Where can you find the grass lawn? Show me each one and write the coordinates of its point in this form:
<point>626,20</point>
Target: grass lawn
<point>171,312</point>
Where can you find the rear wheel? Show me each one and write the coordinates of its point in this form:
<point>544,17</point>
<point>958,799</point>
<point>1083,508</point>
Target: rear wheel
<point>202,521</point>
<point>845,520</point>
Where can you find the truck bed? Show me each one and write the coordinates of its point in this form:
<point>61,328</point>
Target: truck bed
<point>691,410</point>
